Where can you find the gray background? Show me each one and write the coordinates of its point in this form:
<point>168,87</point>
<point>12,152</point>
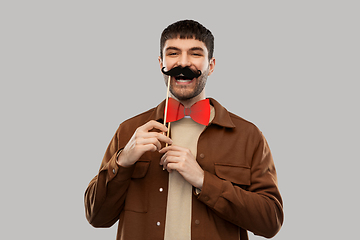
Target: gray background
<point>72,71</point>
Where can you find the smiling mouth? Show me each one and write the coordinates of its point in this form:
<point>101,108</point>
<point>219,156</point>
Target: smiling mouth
<point>182,79</point>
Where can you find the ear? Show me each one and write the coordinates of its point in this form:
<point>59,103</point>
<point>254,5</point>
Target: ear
<point>211,66</point>
<point>160,63</point>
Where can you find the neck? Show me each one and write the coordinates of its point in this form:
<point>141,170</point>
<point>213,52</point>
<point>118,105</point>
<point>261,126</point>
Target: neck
<point>189,102</point>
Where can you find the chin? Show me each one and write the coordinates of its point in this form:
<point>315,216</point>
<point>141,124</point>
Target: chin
<point>184,97</point>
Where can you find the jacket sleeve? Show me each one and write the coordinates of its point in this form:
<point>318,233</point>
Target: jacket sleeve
<point>258,207</point>
<point>105,196</point>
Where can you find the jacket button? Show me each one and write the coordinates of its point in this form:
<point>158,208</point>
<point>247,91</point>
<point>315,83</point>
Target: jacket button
<point>202,155</point>
<point>161,189</point>
<point>197,222</point>
<point>158,224</point>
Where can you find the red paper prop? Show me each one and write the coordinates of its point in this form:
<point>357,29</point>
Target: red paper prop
<point>199,112</point>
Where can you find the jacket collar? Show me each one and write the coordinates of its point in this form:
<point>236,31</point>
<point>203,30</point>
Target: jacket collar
<point>222,116</point>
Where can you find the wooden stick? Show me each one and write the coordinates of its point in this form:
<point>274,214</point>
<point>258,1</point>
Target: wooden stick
<point>166,108</point>
<point>167,100</point>
<point>168,132</point>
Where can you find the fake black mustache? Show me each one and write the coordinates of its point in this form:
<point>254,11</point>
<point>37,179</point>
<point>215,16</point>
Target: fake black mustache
<point>184,72</point>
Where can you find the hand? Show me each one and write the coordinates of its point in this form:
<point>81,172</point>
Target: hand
<point>143,141</point>
<point>182,160</point>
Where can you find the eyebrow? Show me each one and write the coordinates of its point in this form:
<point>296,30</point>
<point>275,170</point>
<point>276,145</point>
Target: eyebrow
<point>172,48</point>
<point>196,49</point>
<point>178,49</point>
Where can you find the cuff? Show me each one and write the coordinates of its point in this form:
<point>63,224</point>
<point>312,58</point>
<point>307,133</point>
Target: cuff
<point>211,190</point>
<point>117,172</point>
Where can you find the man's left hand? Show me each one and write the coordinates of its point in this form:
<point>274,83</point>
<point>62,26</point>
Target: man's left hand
<point>182,160</point>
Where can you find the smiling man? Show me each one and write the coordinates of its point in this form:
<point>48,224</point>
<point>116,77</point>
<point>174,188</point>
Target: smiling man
<point>213,178</point>
<point>194,54</point>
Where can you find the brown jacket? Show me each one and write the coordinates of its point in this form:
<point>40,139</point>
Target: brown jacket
<point>239,192</point>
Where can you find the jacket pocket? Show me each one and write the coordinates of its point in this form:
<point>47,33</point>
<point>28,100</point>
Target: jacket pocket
<point>236,174</point>
<point>137,195</point>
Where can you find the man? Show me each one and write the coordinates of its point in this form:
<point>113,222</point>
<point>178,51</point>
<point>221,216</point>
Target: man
<point>214,180</point>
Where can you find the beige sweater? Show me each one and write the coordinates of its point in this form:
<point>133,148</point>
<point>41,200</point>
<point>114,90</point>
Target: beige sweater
<point>184,133</point>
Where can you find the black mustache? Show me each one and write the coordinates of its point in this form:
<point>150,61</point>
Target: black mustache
<point>185,72</point>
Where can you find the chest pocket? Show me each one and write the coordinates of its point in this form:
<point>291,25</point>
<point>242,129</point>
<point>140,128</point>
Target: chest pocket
<point>137,195</point>
<point>239,175</point>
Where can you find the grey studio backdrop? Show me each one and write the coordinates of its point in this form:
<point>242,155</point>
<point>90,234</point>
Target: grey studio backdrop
<point>72,71</point>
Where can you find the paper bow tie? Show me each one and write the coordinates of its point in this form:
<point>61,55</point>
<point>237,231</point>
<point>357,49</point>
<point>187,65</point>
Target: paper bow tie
<point>199,111</point>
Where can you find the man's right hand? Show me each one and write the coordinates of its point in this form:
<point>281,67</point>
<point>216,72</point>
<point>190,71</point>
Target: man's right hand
<point>143,141</point>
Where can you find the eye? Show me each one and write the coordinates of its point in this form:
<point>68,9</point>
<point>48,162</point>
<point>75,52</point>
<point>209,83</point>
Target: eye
<point>197,54</point>
<point>172,53</point>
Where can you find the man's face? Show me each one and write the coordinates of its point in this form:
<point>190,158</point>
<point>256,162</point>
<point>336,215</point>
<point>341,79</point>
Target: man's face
<point>187,52</point>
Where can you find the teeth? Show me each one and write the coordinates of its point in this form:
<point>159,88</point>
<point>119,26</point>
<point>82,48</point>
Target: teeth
<point>182,81</point>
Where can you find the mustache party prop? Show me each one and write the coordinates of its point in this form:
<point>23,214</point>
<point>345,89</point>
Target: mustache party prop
<point>184,72</point>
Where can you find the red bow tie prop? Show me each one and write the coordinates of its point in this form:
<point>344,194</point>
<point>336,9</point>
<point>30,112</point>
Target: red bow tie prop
<point>199,112</point>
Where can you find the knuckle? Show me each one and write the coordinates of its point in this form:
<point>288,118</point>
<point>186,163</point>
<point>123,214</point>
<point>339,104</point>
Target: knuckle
<point>154,148</point>
<point>137,134</point>
<point>137,142</point>
<point>152,122</point>
<point>139,128</point>
<point>137,147</point>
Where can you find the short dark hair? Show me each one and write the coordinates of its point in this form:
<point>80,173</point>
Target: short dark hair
<point>188,29</point>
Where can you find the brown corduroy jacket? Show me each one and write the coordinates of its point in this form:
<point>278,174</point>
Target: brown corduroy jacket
<point>239,193</point>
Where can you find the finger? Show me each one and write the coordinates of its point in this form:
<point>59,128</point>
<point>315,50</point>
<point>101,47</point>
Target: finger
<point>171,160</point>
<point>147,147</point>
<point>165,162</point>
<point>165,149</point>
<point>160,137</point>
<point>172,148</point>
<point>165,158</point>
<point>146,141</point>
<point>153,124</point>
<point>162,160</point>
<point>170,167</point>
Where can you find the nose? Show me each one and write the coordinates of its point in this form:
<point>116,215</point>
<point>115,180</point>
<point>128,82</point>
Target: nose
<point>184,60</point>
